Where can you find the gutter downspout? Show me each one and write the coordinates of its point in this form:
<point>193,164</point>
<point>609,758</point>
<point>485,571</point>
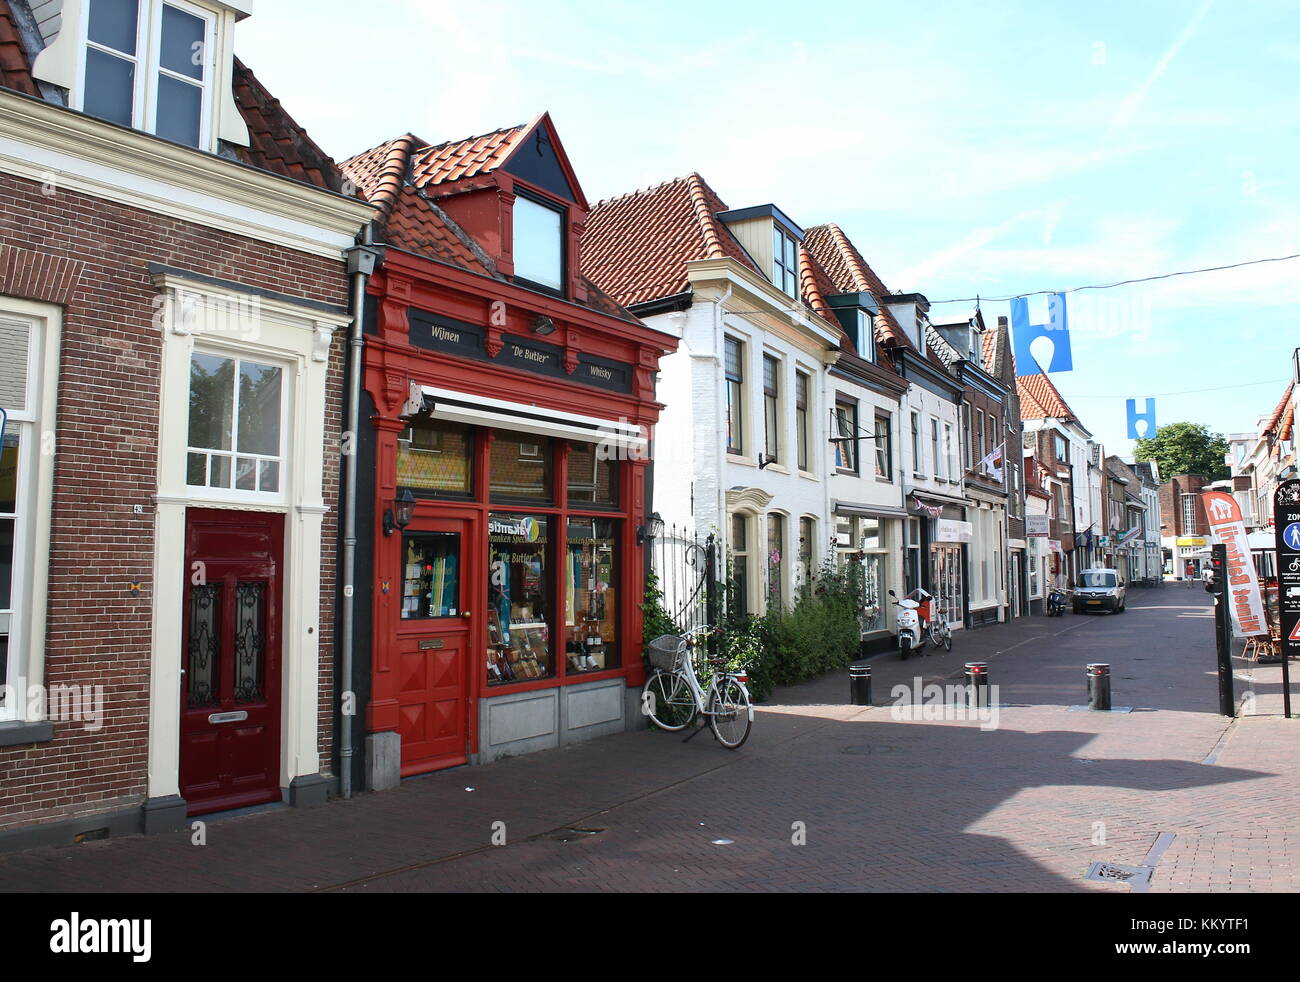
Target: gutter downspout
<point>362,260</point>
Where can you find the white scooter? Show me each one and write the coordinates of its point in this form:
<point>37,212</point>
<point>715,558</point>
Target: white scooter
<point>910,636</point>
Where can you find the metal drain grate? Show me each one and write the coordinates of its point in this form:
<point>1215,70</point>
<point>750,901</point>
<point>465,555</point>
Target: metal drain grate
<point>867,748</point>
<point>1137,877</point>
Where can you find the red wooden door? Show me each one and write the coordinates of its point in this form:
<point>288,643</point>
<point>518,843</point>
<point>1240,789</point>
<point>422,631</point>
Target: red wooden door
<point>230,659</point>
<point>433,644</point>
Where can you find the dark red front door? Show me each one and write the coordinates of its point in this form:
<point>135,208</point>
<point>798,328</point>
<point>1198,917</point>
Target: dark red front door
<point>230,659</point>
<point>433,645</point>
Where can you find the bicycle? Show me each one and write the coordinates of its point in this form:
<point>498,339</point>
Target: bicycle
<point>939,631</point>
<point>673,699</point>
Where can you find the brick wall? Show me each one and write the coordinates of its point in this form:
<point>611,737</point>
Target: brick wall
<point>91,257</point>
<point>1171,505</point>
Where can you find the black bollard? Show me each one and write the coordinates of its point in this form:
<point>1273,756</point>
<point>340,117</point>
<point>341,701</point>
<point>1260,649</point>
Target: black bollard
<point>1099,686</point>
<point>977,684</point>
<point>860,685</point>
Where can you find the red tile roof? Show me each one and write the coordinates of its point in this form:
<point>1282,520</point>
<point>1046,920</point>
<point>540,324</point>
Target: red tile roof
<point>396,177</point>
<point>15,70</point>
<point>1278,413</point>
<point>850,273</point>
<point>637,246</point>
<point>461,159</point>
<point>1039,398</point>
<point>276,142</point>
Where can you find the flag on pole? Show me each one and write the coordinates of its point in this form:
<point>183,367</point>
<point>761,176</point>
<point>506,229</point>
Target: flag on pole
<point>993,462</point>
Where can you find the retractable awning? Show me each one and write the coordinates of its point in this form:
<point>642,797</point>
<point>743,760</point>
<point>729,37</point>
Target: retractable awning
<point>461,407</point>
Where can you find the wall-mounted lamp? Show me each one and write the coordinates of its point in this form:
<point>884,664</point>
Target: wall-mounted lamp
<point>543,325</point>
<point>399,515</point>
<point>652,529</point>
<point>764,459</point>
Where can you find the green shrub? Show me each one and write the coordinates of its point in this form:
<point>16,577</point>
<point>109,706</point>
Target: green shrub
<point>655,620</point>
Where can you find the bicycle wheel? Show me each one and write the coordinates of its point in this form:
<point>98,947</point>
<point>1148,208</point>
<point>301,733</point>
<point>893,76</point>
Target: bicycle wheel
<point>947,638</point>
<point>668,701</point>
<point>730,713</point>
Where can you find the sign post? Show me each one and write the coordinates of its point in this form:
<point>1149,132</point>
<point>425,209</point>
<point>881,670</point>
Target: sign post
<point>1223,629</point>
<point>1286,518</point>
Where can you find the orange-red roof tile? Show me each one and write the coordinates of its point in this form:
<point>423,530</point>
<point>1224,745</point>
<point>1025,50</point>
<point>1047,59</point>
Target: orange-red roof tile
<point>276,142</point>
<point>15,69</point>
<point>637,246</point>
<point>1276,417</point>
<point>461,159</point>
<point>850,273</point>
<point>1040,399</point>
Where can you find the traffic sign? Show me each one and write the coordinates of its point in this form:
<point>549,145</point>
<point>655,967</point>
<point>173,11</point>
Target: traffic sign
<point>1286,519</point>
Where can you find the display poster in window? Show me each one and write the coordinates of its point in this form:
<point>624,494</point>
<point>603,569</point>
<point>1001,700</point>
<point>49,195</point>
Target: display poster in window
<point>519,584</point>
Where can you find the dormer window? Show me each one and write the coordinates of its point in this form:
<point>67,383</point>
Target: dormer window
<point>976,348</point>
<point>539,243</point>
<point>866,339</point>
<point>149,65</point>
<point>785,263</point>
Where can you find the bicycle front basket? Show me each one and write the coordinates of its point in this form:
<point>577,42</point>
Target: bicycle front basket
<point>665,652</point>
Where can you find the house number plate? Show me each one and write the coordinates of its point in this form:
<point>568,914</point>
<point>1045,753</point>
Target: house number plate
<point>435,643</point>
<point>235,717</point>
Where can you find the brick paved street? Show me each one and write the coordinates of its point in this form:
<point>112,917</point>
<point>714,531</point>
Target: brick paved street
<point>887,805</point>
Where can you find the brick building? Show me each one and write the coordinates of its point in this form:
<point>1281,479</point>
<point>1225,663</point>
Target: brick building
<point>1184,528</point>
<point>172,268</point>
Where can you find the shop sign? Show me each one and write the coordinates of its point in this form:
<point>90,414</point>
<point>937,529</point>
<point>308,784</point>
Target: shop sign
<point>464,340</point>
<point>525,528</point>
<point>948,530</point>
<point>1038,526</point>
<point>1192,540</point>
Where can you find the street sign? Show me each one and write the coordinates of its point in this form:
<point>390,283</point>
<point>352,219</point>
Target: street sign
<point>1286,519</point>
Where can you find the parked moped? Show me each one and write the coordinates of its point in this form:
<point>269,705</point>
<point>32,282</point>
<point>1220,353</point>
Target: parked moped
<point>915,626</point>
<point>1056,603</point>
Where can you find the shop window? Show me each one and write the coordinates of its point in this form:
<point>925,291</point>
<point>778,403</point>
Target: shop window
<point>739,565</point>
<point>519,588</point>
<point>539,243</point>
<point>591,479</point>
<point>235,440</point>
<point>521,467</point>
<point>912,556</point>
<point>150,66</point>
<point>430,575</point>
<point>735,376</point>
<point>591,596</point>
<point>775,561</point>
<point>436,457</point>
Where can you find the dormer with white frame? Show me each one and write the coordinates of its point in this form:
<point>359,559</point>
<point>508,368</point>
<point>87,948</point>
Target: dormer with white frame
<point>772,240</point>
<point>164,67</point>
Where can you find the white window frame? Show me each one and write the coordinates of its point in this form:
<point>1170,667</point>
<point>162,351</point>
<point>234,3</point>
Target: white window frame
<point>781,274</point>
<point>917,459</point>
<point>949,454</point>
<point>287,376</point>
<point>148,64</point>
<point>940,460</point>
<point>33,504</point>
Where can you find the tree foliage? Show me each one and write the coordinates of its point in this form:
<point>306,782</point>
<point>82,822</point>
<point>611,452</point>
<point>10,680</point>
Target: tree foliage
<point>1185,448</point>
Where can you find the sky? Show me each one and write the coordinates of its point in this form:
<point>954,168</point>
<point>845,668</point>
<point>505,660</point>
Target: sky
<point>969,150</point>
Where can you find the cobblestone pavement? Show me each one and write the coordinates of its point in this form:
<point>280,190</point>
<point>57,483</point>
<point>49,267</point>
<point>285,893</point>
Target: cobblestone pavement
<point>879,803</point>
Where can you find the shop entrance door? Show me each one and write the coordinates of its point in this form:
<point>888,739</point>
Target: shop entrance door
<point>230,659</point>
<point>946,578</point>
<point>433,643</point>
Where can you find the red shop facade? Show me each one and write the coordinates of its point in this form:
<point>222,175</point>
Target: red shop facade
<point>510,407</point>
